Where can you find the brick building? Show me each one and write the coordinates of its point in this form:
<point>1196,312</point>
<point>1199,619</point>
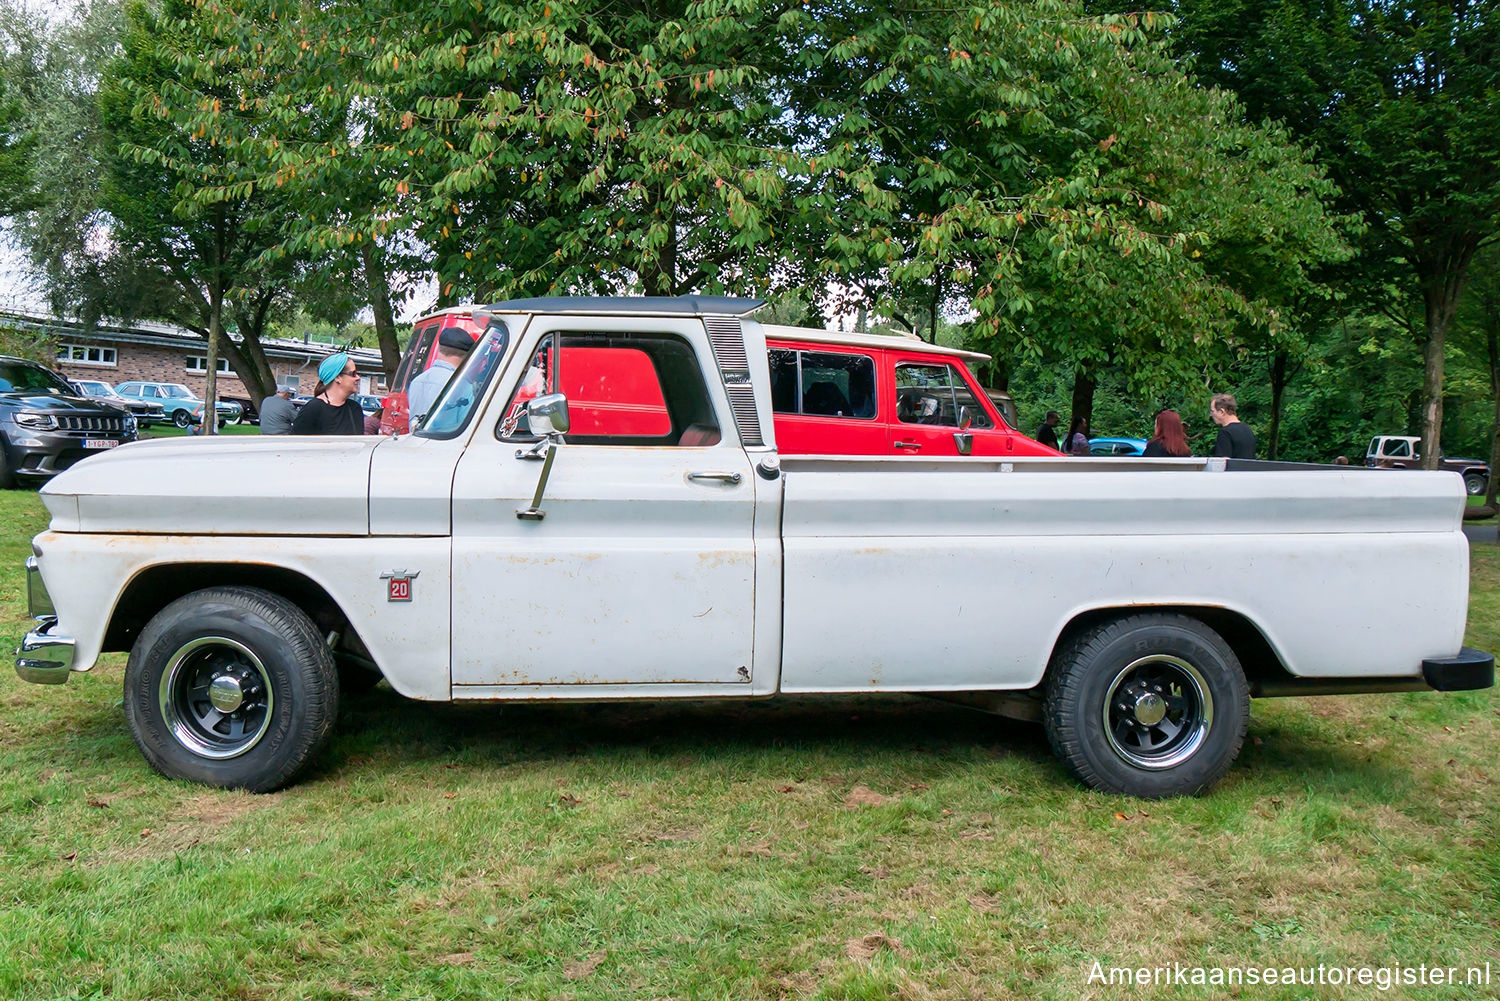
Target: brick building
<point>159,352</point>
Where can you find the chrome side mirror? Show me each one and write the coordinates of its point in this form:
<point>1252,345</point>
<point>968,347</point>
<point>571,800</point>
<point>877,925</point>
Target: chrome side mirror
<point>965,418</point>
<point>546,416</point>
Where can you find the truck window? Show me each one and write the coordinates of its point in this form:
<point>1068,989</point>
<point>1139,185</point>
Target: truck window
<point>933,394</point>
<point>825,384</point>
<point>415,360</point>
<point>622,389</point>
<point>455,404</point>
<point>1397,448</point>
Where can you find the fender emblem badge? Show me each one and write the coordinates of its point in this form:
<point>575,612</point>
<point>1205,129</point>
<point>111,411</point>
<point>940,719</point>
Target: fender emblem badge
<point>398,584</point>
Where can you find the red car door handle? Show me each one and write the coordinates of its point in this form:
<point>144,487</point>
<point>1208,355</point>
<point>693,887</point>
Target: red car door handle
<point>909,444</point>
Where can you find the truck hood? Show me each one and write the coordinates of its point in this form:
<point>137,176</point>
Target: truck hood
<point>234,485</point>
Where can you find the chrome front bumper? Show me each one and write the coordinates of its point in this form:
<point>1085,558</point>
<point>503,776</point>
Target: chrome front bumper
<point>45,659</point>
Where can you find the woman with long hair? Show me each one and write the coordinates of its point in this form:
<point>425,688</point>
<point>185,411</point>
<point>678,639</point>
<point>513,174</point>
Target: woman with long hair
<point>1077,440</point>
<point>1168,439</point>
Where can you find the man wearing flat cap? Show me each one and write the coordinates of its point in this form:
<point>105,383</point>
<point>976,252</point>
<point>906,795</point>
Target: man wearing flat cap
<point>334,410</point>
<point>452,348</point>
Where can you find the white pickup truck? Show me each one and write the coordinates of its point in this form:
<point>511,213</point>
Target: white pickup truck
<point>643,541</point>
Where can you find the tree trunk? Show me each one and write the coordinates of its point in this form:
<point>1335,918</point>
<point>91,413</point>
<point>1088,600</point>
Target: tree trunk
<point>1442,281</point>
<point>248,358</point>
<point>932,308</point>
<point>1278,387</point>
<point>215,332</point>
<point>1083,397</point>
<point>380,303</point>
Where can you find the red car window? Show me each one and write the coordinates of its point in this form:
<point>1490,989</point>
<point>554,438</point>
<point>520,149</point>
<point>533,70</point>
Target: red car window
<point>613,391</point>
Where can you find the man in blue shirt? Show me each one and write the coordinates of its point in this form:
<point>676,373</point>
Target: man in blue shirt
<point>452,348</point>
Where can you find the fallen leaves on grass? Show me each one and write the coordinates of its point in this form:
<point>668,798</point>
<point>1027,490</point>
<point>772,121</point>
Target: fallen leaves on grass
<point>455,959</point>
<point>864,949</point>
<point>864,796</point>
<point>98,804</point>
<point>584,967</point>
<point>568,801</point>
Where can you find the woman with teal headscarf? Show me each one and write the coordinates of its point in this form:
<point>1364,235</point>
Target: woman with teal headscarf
<point>334,410</point>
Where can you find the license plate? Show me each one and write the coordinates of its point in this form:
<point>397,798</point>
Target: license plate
<point>99,443</point>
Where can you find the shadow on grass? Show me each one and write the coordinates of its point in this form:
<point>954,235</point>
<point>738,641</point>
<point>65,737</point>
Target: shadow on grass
<point>931,736</point>
<point>913,733</point>
<point>536,732</point>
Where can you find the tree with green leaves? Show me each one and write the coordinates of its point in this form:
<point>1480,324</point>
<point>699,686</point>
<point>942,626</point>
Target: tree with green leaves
<point>17,190</point>
<point>186,229</point>
<point>1398,99</point>
<point>1052,171</point>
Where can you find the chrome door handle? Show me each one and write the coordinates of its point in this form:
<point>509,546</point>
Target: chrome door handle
<point>909,444</point>
<point>720,477</point>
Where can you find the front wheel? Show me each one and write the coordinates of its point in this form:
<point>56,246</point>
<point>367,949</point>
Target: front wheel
<point>181,418</point>
<point>1148,705</point>
<point>1475,483</point>
<point>231,687</point>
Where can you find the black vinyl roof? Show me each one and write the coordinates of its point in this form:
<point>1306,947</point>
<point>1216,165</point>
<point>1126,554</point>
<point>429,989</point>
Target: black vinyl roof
<point>657,305</point>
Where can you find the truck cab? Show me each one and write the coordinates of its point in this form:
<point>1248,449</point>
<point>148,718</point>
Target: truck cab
<point>1399,451</point>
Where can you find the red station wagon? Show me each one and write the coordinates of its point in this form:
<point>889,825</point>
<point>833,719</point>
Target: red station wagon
<point>833,393</point>
<point>837,393</point>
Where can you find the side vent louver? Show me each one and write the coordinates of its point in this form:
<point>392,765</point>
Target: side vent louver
<point>728,342</point>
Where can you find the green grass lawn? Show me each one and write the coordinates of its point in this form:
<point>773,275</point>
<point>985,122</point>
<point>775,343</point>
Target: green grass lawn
<point>828,848</point>
<point>173,431</point>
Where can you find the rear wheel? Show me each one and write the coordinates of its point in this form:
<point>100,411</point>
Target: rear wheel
<point>231,687</point>
<point>1149,705</point>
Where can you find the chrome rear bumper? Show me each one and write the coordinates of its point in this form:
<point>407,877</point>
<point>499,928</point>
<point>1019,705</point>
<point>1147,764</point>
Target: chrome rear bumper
<point>45,659</point>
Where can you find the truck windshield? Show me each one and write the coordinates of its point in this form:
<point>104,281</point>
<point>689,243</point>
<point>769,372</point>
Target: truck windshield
<point>456,403</point>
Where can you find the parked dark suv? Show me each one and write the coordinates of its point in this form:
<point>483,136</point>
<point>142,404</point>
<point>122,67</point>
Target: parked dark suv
<point>45,427</point>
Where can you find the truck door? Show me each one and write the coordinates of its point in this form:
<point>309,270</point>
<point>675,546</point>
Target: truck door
<point>642,567</point>
<point>929,397</point>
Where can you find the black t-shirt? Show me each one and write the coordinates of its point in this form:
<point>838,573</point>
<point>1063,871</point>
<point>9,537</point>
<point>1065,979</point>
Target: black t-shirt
<point>1045,435</point>
<point>318,417</point>
<point>1236,441</point>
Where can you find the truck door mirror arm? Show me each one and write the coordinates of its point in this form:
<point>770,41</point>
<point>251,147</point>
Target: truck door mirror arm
<point>547,416</point>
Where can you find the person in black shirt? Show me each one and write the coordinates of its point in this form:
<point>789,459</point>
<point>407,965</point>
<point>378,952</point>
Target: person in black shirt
<point>1047,433</point>
<point>334,410</point>
<point>1235,440</point>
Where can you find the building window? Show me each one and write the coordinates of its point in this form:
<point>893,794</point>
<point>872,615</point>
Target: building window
<point>199,363</point>
<point>86,354</point>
